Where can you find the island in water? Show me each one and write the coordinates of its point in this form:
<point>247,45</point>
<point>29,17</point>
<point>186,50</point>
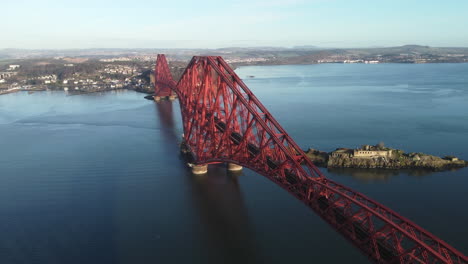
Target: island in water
<point>379,156</point>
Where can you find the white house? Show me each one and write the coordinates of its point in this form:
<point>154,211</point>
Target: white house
<point>13,67</point>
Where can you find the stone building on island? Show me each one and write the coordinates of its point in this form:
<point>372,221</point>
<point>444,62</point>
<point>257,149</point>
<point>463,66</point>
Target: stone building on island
<point>366,151</point>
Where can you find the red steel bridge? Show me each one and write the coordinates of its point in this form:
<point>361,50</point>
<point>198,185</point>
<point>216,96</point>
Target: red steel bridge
<point>224,122</point>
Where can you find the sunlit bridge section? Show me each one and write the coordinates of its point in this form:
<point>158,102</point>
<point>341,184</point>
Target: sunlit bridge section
<point>224,122</point>
<point>165,87</point>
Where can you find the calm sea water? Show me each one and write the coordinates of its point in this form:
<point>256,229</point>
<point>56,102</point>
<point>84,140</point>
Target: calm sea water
<point>98,178</point>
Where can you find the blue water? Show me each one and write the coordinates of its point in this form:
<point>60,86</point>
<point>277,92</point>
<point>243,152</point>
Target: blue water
<point>98,178</point>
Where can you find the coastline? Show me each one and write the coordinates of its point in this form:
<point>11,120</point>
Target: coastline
<point>237,66</point>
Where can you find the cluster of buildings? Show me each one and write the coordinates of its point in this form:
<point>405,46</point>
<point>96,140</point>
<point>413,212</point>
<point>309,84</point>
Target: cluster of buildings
<point>48,79</point>
<point>9,72</point>
<point>85,78</point>
<point>13,67</point>
<point>348,61</point>
<point>5,75</point>
<point>119,69</point>
<point>92,85</point>
<point>116,59</point>
<point>245,60</point>
<point>130,58</point>
<point>11,86</point>
<point>366,151</point>
<point>362,61</point>
<point>79,82</point>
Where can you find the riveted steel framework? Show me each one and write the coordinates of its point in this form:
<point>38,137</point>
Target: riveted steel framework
<point>224,122</point>
<point>163,79</point>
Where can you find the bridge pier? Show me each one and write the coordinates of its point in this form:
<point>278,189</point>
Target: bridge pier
<point>233,167</point>
<point>199,169</point>
<point>157,98</point>
<point>172,97</point>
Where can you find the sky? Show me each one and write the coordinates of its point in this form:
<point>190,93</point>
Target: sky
<point>55,24</point>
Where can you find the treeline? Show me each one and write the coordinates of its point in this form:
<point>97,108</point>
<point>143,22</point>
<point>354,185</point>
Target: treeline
<point>31,69</point>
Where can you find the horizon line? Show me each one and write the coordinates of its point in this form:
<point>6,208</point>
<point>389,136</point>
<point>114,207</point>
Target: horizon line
<point>236,47</point>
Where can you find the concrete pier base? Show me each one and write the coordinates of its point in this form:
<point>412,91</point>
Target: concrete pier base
<point>172,97</point>
<point>199,169</point>
<point>157,98</point>
<point>233,167</point>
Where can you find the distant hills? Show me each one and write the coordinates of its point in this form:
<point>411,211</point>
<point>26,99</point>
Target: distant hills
<point>22,53</point>
<point>267,55</point>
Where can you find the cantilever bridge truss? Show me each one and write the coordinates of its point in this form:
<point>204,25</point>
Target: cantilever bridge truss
<point>223,121</point>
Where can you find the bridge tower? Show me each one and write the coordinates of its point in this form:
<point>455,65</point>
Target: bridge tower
<point>164,84</point>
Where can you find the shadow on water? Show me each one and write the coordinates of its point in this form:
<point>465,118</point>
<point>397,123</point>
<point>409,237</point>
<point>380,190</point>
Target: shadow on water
<point>218,202</point>
<point>166,120</point>
<point>165,113</point>
<point>378,175</point>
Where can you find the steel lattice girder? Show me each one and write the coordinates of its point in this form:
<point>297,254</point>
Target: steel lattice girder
<point>224,122</point>
<point>164,84</point>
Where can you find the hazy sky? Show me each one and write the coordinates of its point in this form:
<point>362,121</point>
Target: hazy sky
<point>212,24</point>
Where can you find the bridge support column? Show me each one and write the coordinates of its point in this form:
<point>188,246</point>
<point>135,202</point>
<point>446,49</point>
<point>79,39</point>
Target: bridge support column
<point>157,98</point>
<point>233,167</point>
<point>172,97</point>
<point>199,169</point>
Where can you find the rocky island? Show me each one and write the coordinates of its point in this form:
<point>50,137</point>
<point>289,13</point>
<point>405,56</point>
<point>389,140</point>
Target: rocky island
<point>379,156</point>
